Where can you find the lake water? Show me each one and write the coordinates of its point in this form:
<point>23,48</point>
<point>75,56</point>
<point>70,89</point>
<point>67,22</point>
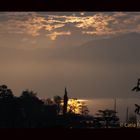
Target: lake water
<point>121,106</point>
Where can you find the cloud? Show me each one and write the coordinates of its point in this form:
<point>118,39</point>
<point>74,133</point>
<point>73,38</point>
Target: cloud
<point>30,24</point>
<point>115,24</point>
<point>24,39</point>
<point>33,42</point>
<point>53,27</point>
<point>93,24</point>
<point>54,35</point>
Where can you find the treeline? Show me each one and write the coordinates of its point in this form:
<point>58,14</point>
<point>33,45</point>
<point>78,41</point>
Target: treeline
<point>29,111</point>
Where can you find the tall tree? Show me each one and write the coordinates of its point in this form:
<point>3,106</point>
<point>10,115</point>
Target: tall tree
<point>65,102</point>
<point>108,118</point>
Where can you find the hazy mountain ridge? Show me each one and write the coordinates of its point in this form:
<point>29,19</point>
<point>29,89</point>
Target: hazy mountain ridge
<point>120,49</point>
<point>124,48</point>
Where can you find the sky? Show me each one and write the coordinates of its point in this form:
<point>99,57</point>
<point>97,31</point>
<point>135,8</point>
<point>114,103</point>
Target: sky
<point>93,54</point>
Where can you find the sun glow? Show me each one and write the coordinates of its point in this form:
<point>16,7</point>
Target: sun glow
<point>76,106</point>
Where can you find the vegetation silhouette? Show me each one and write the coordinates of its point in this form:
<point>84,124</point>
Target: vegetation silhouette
<point>57,100</point>
<point>137,89</point>
<point>137,110</point>
<point>29,111</point>
<point>65,102</point>
<point>132,118</point>
<point>107,118</point>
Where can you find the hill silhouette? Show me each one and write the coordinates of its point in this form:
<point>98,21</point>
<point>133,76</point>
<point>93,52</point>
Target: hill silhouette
<point>115,49</point>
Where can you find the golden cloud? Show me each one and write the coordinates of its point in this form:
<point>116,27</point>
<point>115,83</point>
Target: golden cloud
<point>99,24</point>
<point>54,35</point>
<point>53,27</point>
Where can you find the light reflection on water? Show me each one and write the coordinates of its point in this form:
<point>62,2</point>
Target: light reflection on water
<point>121,105</point>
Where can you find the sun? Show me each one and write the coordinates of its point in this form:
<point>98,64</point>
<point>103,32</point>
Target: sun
<point>75,106</point>
<point>82,13</point>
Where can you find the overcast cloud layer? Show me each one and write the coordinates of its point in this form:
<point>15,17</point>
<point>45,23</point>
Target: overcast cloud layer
<point>96,55</point>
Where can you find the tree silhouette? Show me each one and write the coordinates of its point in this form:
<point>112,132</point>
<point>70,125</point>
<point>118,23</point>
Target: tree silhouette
<point>132,118</point>
<point>29,111</point>
<point>7,107</point>
<point>137,87</point>
<point>48,101</point>
<point>137,110</point>
<point>5,92</point>
<point>31,107</point>
<point>65,102</point>
<point>84,109</point>
<point>108,118</point>
<point>57,101</point>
